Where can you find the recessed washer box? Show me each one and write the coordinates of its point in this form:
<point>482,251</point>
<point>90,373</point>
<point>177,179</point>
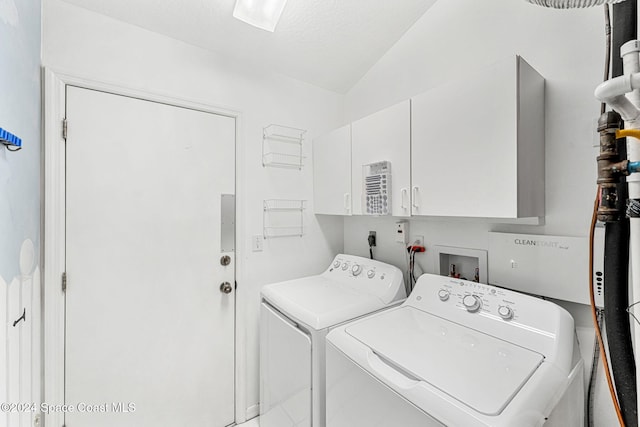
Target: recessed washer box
<point>466,261</point>
<point>551,266</point>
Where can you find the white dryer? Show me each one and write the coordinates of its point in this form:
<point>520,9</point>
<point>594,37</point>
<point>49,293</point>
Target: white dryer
<point>295,318</point>
<point>457,353</point>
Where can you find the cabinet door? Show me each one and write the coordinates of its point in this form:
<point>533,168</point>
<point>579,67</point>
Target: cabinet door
<point>332,172</point>
<point>383,136</point>
<point>464,154</point>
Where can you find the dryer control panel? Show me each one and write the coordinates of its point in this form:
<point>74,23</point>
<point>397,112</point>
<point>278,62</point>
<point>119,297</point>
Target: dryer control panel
<point>376,277</point>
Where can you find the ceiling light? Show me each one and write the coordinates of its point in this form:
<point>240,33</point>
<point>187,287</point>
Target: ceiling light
<point>571,4</point>
<point>263,14</point>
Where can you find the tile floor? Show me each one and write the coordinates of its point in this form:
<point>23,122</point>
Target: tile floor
<point>251,423</point>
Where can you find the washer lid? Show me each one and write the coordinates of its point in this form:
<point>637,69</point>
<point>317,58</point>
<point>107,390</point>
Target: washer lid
<point>480,371</point>
<point>319,302</point>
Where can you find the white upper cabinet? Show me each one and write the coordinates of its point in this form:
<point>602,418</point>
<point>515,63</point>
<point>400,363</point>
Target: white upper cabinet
<point>473,147</point>
<point>332,172</point>
<point>379,137</point>
<point>478,145</point>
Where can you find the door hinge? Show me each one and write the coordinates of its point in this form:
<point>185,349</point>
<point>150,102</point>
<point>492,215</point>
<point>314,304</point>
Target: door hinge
<point>64,129</point>
<point>64,283</point>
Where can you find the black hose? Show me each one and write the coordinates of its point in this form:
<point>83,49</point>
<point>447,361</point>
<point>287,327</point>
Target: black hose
<point>616,260</point>
<point>616,301</point>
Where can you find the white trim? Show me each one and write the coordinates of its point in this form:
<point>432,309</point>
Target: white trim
<point>241,302</point>
<point>53,239</point>
<point>253,411</point>
<point>67,78</point>
<point>55,83</point>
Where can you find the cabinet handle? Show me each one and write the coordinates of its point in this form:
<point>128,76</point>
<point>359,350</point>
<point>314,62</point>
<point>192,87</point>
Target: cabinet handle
<point>347,202</point>
<point>403,192</point>
<point>414,197</point>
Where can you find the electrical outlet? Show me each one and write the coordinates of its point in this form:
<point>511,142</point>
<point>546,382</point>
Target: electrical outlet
<point>417,240</point>
<point>257,243</point>
<point>372,238</point>
<point>402,232</point>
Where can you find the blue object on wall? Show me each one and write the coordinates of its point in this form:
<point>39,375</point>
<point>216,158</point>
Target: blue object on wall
<point>10,140</point>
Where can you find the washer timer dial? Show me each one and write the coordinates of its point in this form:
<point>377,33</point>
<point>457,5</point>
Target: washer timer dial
<point>505,312</point>
<point>472,303</point>
<point>443,294</point>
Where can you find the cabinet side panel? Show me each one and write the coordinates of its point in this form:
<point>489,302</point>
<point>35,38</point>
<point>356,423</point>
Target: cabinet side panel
<point>531,142</point>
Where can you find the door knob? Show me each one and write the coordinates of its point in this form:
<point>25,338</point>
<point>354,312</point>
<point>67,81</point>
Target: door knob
<point>226,288</point>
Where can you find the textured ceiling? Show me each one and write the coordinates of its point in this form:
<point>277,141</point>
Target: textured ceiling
<point>328,43</point>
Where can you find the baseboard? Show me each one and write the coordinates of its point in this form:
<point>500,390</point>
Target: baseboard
<point>253,411</point>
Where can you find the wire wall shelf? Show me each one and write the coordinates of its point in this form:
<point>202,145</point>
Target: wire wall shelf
<point>283,218</point>
<point>281,160</point>
<point>282,147</point>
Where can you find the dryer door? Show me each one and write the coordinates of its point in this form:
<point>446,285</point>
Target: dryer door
<point>285,372</point>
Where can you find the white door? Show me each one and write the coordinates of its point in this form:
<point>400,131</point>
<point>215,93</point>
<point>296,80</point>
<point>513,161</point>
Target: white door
<point>385,135</point>
<point>332,172</point>
<point>479,161</point>
<point>149,334</point>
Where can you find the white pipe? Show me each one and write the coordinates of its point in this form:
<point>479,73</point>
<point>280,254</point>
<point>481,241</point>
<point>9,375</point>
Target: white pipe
<point>630,53</point>
<point>631,65</point>
<point>613,92</point>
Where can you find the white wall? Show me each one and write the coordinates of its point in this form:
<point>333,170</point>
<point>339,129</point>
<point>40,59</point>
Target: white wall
<point>91,45</point>
<point>457,36</point>
<point>19,197</point>
<point>19,114</point>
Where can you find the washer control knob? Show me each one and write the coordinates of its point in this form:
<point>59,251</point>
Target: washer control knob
<point>345,266</point>
<point>336,264</point>
<point>443,294</point>
<point>505,312</point>
<point>356,269</point>
<point>472,303</point>
<point>371,274</point>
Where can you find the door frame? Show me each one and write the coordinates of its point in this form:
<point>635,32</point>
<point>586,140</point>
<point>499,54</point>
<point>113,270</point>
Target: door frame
<point>54,232</point>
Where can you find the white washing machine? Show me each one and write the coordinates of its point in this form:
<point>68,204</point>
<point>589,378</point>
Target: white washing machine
<point>295,318</point>
<point>457,353</point>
